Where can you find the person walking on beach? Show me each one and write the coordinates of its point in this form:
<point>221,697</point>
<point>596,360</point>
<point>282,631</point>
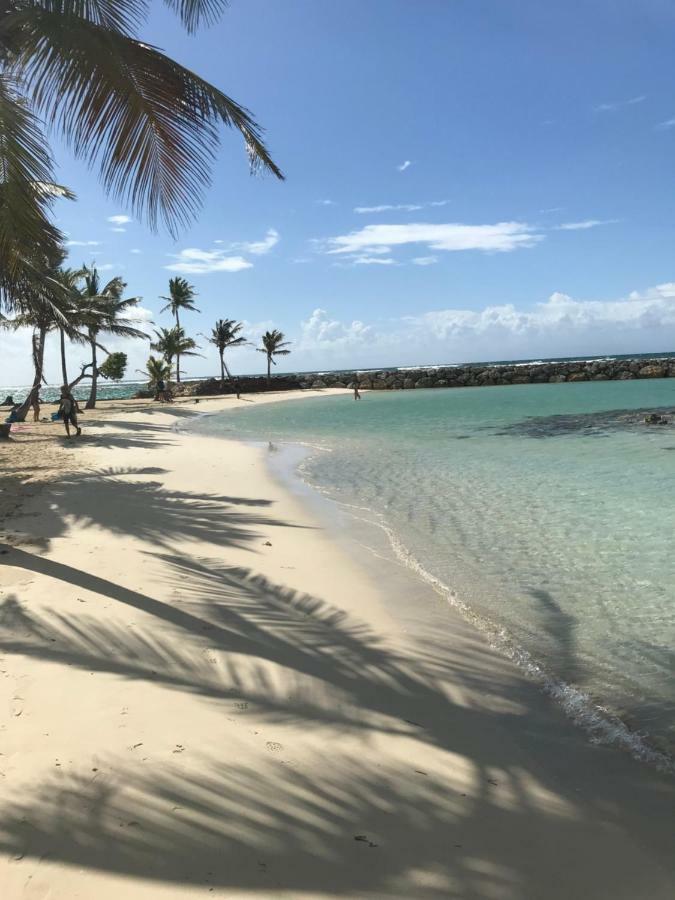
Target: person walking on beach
<point>36,408</point>
<point>237,388</point>
<point>357,395</point>
<point>68,410</point>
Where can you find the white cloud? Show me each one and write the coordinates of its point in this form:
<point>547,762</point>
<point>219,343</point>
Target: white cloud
<point>193,261</point>
<point>326,202</point>
<point>559,326</point>
<point>372,261</point>
<point>669,123</point>
<point>119,220</point>
<point>319,330</point>
<point>136,250</point>
<point>258,248</point>
<point>404,165</point>
<point>83,243</point>
<point>501,237</point>
<point>106,267</point>
<point>425,260</point>
<point>408,207</point>
<point>585,224</point>
<point>118,229</point>
<point>612,107</point>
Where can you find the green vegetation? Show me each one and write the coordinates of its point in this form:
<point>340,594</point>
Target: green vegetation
<point>273,344</point>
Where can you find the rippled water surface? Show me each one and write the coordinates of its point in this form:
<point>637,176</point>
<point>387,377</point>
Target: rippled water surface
<point>549,510</point>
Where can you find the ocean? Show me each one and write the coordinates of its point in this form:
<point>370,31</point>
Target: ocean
<point>545,513</point>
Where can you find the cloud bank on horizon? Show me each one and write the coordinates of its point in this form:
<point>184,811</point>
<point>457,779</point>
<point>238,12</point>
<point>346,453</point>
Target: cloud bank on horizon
<point>558,326</point>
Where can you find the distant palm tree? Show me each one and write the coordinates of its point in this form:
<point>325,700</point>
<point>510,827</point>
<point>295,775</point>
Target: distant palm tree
<point>150,125</point>
<point>272,345</point>
<point>224,334</point>
<point>156,370</point>
<point>181,295</point>
<point>172,343</point>
<point>101,309</point>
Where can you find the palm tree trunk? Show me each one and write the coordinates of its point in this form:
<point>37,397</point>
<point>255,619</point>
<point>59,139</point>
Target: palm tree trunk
<point>269,370</point>
<point>178,354</point>
<point>222,372</point>
<point>38,362</point>
<point>91,402</point>
<point>64,368</point>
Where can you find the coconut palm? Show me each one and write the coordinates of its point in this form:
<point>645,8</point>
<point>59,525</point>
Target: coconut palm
<point>150,126</point>
<point>181,295</point>
<point>272,345</point>
<point>43,305</point>
<point>156,370</point>
<point>70,323</point>
<point>226,333</point>
<point>102,310</point>
<point>172,343</point>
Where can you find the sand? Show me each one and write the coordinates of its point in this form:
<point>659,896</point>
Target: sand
<point>205,693</point>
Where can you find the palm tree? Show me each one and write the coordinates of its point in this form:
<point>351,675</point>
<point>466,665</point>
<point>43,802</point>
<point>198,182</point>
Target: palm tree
<point>43,305</point>
<point>272,344</point>
<point>181,295</point>
<point>172,343</point>
<point>147,123</point>
<point>67,303</point>
<point>156,370</point>
<point>224,334</point>
<point>102,310</point>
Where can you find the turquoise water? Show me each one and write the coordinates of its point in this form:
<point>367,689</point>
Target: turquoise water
<point>546,512</point>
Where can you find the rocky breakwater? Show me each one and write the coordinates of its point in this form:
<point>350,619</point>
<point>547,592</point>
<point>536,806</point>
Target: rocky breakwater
<point>487,375</point>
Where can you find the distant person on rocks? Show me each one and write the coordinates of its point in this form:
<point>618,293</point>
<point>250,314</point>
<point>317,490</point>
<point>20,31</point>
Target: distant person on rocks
<point>357,395</point>
<point>68,410</point>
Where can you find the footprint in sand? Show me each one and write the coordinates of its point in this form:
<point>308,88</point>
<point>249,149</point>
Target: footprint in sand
<point>273,747</point>
<point>241,705</point>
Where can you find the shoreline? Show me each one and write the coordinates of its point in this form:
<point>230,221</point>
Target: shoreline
<point>598,722</point>
<point>208,695</point>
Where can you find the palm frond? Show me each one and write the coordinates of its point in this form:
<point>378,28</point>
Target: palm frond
<point>148,123</point>
<point>28,239</point>
<point>194,13</point>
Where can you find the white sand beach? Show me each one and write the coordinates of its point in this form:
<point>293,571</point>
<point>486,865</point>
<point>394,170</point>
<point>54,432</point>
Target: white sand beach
<point>203,693</point>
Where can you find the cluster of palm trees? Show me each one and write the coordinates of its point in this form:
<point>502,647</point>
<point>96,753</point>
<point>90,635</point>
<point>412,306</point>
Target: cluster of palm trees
<point>150,126</point>
<point>77,305</point>
<point>173,343</point>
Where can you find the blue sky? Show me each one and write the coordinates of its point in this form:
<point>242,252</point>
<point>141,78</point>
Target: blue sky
<point>465,180</point>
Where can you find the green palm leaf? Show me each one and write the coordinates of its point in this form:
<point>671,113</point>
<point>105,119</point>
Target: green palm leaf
<point>148,123</point>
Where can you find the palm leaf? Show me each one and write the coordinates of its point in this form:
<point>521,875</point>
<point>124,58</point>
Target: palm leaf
<point>28,239</point>
<point>148,123</point>
<point>194,13</point>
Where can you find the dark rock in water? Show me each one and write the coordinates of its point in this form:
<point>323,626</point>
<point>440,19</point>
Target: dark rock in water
<point>655,419</point>
<point>8,401</point>
<point>597,424</point>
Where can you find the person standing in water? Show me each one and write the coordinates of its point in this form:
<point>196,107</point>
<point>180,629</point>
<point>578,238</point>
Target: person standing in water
<point>357,395</point>
<point>68,410</point>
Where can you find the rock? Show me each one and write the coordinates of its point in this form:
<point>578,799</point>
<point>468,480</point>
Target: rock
<point>408,383</point>
<point>319,383</point>
<point>8,401</point>
<point>425,382</point>
<point>655,419</point>
<point>577,376</point>
<point>557,379</point>
<point>652,371</point>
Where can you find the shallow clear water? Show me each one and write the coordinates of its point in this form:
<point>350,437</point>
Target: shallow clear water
<point>548,510</point>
